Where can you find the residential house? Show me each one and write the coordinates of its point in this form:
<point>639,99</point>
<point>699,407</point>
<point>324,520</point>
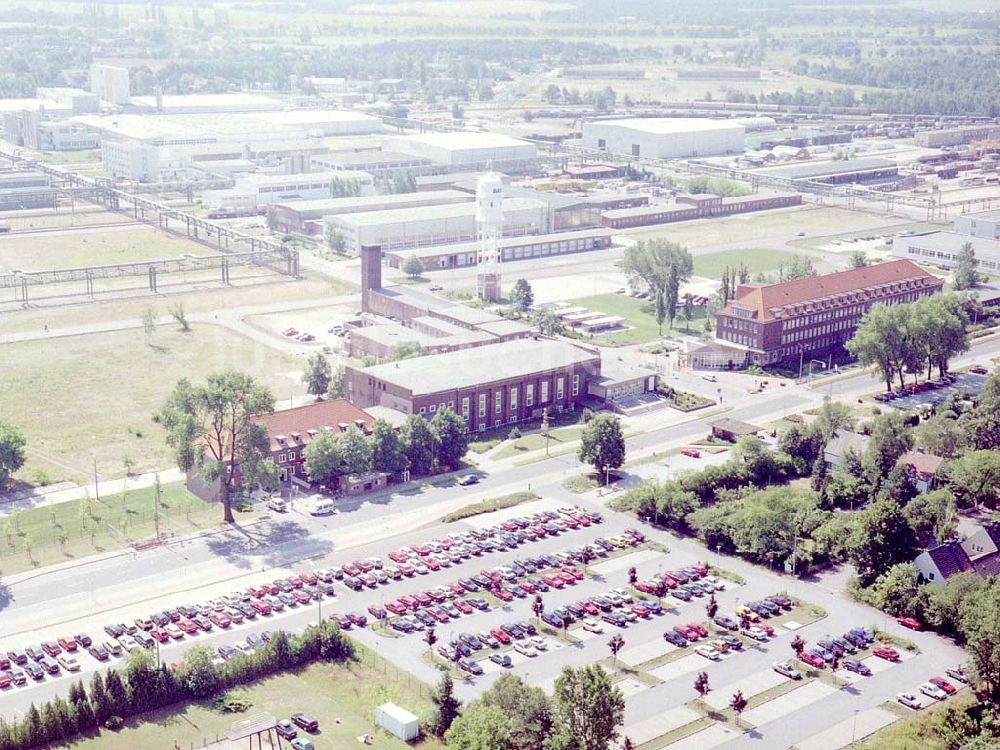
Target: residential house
<point>979,554</point>
<point>840,443</point>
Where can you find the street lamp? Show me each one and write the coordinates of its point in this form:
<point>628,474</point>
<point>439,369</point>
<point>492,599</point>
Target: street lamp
<point>545,428</point>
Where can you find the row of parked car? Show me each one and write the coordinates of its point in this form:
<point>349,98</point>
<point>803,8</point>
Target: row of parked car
<point>911,388</point>
<point>937,688</point>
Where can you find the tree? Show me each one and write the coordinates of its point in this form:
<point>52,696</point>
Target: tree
<point>616,644</point>
<point>661,266</point>
<point>701,684</point>
<point>941,435</point>
<point>738,703</point>
<point>588,709</point>
<point>858,259</point>
<point>323,458</point>
<point>890,439</point>
<point>966,276</point>
<point>537,605</point>
<point>975,479</point>
<point>12,444</point>
<point>451,437</point>
<point>148,324</point>
<point>317,375</point>
<point>177,313</point>
<point>211,428</point>
<point>482,727</point>
<point>880,340</point>
<point>882,538</point>
<point>199,675</point>
<point>798,645</point>
<point>355,451</point>
<point>932,516</point>
<point>711,607</point>
<point>660,304</point>
<point>387,448</point>
<point>522,295</point>
<point>337,386</point>
<point>981,425</point>
<point>980,617</point>
<point>833,416</point>
<point>99,697</point>
<point>446,706</point>
<point>430,637</point>
<point>602,443</point>
<point>514,435</point>
<point>413,267</point>
<point>633,576</point>
<point>419,444</point>
<point>334,238</point>
<point>549,323</point>
<point>688,311</point>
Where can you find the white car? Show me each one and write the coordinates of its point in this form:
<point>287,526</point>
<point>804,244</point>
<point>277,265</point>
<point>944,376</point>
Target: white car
<point>538,642</point>
<point>933,691</point>
<point>783,667</point>
<point>717,583</point>
<point>420,568</point>
<point>708,652</point>
<point>522,647</point>
<point>756,633</point>
<point>128,643</point>
<point>910,701</point>
<point>174,632</point>
<point>593,625</point>
<point>69,663</point>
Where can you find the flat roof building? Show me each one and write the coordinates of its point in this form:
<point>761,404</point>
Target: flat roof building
<point>982,224</point>
<point>306,216</point>
<point>468,151</point>
<point>942,249</point>
<point>665,138</point>
<point>836,172</point>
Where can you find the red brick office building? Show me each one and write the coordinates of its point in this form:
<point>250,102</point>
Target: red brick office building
<point>816,315</point>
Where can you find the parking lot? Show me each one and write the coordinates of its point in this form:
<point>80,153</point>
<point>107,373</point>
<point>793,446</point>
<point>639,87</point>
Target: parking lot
<point>964,382</point>
<point>659,676</point>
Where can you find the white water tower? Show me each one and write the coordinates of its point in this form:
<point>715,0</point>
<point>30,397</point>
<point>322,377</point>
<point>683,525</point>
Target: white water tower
<point>489,220</point>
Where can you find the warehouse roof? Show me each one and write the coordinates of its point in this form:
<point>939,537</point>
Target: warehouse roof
<point>461,369</point>
<point>465,140</point>
<point>222,102</point>
<point>315,117</point>
<point>671,125</point>
<point>827,168</point>
<point>525,240</point>
<point>950,242</point>
<point>430,213</point>
<point>369,156</point>
<point>355,203</point>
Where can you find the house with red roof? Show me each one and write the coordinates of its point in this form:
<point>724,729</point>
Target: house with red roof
<point>811,316</point>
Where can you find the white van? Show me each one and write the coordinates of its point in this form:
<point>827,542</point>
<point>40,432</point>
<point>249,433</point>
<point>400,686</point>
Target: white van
<point>321,506</point>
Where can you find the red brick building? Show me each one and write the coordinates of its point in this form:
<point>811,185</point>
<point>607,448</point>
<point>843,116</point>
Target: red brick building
<point>816,315</point>
<point>291,430</point>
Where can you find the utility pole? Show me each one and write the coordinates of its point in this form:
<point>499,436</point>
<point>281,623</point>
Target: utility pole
<point>156,518</point>
<point>545,428</point>
<point>97,489</point>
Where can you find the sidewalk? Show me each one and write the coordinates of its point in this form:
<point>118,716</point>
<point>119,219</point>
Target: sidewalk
<point>41,497</point>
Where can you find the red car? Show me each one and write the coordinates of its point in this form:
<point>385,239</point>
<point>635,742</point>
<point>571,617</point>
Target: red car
<point>256,592</point>
<point>398,557</point>
<point>647,587</point>
<point>160,635</point>
<point>702,633</point>
<point>396,607</point>
<point>566,577</point>
<point>6,679</point>
<point>571,522</point>
<point>573,571</point>
<point>269,589</point>
<point>640,610</point>
<point>434,596</point>
<point>553,581</point>
<point>527,587</point>
<point>503,595</point>
<point>463,606</point>
<point>431,563</point>
<point>290,332</point>
<point>406,569</point>
<point>422,599</point>
<point>492,575</point>
<point>351,569</point>
<point>635,534</point>
<point>500,635</point>
<point>68,644</point>
<point>442,541</point>
<point>438,614</point>
<point>295,582</point>
<point>221,619</point>
<point>301,596</point>
<point>669,581</point>
<point>456,588</point>
<point>766,628</point>
<point>942,683</point>
<point>910,622</point>
<point>690,453</point>
<point>187,626</point>
<point>582,520</point>
<point>308,578</point>
<point>422,550</point>
<point>811,659</point>
<point>686,632</point>
<point>589,607</point>
<point>884,652</point>
<point>260,607</point>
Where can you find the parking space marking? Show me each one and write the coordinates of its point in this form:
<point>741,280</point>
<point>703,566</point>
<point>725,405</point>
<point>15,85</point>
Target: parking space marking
<point>792,625</point>
<point>658,725</point>
<point>751,685</point>
<point>864,724</point>
<point>785,704</point>
<point>708,738</point>
<point>584,635</point>
<point>849,676</point>
<point>630,687</point>
<point>624,562</point>
<point>647,651</point>
<point>680,667</point>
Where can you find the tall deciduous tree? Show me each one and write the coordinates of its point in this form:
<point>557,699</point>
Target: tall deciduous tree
<point>337,387</point>
<point>881,539</point>
<point>324,458</point>
<point>981,626</point>
<point>891,437</point>
<point>522,295</point>
<point>420,444</point>
<point>602,444</point>
<point>452,437</point>
<point>12,444</point>
<point>211,428</point>
<point>387,448</point>
<point>879,340</point>
<point>589,709</point>
<point>355,451</point>
<point>966,275</point>
<point>413,266</point>
<point>858,259</point>
<point>317,375</point>
<point>662,266</point>
<point>481,727</point>
<point>446,706</point>
<point>975,479</point>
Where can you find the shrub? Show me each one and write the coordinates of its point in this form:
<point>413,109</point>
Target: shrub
<point>232,702</point>
<point>114,723</point>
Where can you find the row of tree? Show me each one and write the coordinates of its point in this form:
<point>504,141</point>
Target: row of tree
<point>912,337</point>
<point>143,686</point>
<point>12,455</point>
<point>421,446</point>
<point>584,713</point>
<point>661,266</point>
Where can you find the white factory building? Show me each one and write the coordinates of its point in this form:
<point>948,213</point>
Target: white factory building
<point>110,84</point>
<point>403,228</point>
<point>980,229</point>
<point>665,137</point>
<point>264,189</point>
<point>468,152</point>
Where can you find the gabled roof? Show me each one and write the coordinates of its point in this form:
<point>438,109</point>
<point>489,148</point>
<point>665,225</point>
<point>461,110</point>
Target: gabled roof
<point>844,440</point>
<point>922,463</point>
<point>294,425</point>
<point>763,300</point>
<point>950,559</point>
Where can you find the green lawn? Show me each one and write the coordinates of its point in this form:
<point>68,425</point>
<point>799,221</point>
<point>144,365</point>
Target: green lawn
<point>640,316</point>
<point>342,698</point>
<point>757,259</point>
<point>536,441</point>
<point>112,522</point>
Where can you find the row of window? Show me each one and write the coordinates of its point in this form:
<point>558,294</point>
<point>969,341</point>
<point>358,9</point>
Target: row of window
<point>513,394</point>
<point>950,257</point>
<point>840,325</point>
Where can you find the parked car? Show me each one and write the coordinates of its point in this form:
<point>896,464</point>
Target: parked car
<point>708,652</point>
<point>933,691</point>
<point>910,701</point>
<point>807,657</point>
<point>943,684</point>
<point>858,667</point>
<point>786,669</point>
<point>958,673</point>
<point>286,730</point>
<point>306,722</point>
<point>910,622</point>
<point>886,652</point>
<point>502,659</point>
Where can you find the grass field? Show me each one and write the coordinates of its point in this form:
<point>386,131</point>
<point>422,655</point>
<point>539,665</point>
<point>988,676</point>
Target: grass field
<point>342,698</point>
<point>639,314</point>
<point>94,395</point>
<point>757,259</point>
<point>76,529</point>
<point>37,252</point>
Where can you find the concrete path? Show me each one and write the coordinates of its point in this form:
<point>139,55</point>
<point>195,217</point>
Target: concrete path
<point>624,562</point>
<point>706,739</point>
<point>785,704</point>
<point>862,724</point>
<point>643,731</point>
<point>646,652</point>
<point>42,498</point>
<point>751,685</point>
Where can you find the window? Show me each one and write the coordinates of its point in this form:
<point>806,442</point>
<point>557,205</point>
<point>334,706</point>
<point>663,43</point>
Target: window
<point>576,385</point>
<point>423,410</point>
<point>529,394</point>
<point>465,407</point>
<point>544,393</point>
<point>433,408</point>
<point>281,458</point>
<point>513,398</point>
<point>482,404</point>
<point>560,388</point>
<point>497,401</point>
